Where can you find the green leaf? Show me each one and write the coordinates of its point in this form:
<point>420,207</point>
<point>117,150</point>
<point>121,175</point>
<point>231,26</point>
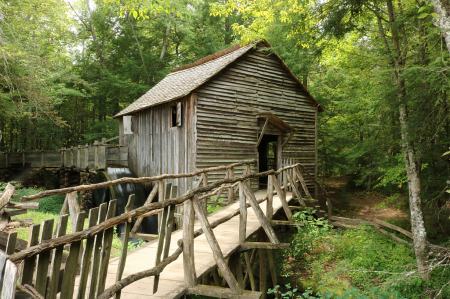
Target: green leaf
<point>434,15</point>
<point>422,8</point>
<point>135,14</point>
<point>423,15</point>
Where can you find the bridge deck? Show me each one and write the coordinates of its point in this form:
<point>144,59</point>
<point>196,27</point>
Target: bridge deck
<point>171,284</point>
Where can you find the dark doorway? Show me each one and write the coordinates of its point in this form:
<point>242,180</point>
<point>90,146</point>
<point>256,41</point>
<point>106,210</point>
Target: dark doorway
<point>267,150</point>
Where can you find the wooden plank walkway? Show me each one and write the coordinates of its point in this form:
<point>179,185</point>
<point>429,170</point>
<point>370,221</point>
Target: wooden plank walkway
<point>171,284</point>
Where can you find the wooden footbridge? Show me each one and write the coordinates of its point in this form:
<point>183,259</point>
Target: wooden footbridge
<point>211,246</point>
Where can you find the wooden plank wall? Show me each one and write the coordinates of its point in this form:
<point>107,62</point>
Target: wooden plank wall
<point>227,106</point>
<point>157,148</point>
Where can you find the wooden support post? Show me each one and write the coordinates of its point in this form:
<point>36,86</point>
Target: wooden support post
<point>149,200</point>
<point>282,196</point>
<point>239,276</point>
<point>70,270</point>
<point>260,214</point>
<point>86,259</point>
<point>216,277</point>
<point>262,267</point>
<point>162,231</point>
<point>242,214</point>
<point>123,254</point>
<point>96,154</point>
<point>273,272</point>
<point>295,190</point>
<point>269,205</point>
<point>96,257</point>
<point>249,274</point>
<point>231,190</point>
<point>205,183</point>
<point>190,277</point>
<point>217,253</point>
<point>53,279</point>
<point>43,258</point>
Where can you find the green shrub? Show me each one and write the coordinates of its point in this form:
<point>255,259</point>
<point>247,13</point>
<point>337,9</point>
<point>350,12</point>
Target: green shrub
<point>308,236</point>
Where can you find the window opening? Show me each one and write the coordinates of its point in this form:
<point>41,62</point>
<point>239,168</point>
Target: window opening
<point>173,116</point>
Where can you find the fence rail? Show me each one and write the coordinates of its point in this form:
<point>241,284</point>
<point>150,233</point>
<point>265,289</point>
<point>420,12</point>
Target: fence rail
<point>101,222</point>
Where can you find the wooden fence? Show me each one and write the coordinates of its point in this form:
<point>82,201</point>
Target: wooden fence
<point>41,261</point>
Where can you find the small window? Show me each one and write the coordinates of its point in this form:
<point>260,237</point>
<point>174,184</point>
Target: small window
<point>175,115</point>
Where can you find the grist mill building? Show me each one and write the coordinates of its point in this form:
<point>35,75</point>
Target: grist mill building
<point>239,104</point>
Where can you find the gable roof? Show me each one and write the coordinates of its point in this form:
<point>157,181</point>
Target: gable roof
<point>183,80</point>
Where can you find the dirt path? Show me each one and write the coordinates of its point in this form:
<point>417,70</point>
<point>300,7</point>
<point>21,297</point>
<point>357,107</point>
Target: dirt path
<point>354,202</point>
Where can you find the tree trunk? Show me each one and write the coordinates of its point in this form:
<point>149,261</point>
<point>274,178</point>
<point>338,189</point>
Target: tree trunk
<point>415,202</point>
<point>441,8</point>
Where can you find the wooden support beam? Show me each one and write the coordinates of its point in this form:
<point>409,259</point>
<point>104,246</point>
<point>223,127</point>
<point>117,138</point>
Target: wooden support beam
<point>23,205</point>
<point>263,245</point>
<point>262,267</point>
<point>249,262</point>
<point>289,223</point>
<point>282,195</point>
<point>287,139</point>
<point>6,196</point>
<point>262,132</point>
<point>273,272</point>
<point>394,227</point>
<point>269,206</point>
<point>260,214</point>
<point>11,245</point>
<point>190,277</point>
<point>231,190</point>
<point>242,214</point>
<point>162,229</point>
<point>295,190</point>
<point>302,182</point>
<point>217,253</point>
<point>219,292</point>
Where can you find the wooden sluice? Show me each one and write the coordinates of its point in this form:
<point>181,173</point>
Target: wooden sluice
<point>95,156</point>
<point>208,245</point>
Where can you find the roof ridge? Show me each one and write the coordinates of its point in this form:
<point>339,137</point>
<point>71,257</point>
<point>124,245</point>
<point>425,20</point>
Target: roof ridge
<point>213,56</point>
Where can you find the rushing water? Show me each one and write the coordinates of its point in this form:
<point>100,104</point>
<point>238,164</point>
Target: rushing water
<point>121,192</point>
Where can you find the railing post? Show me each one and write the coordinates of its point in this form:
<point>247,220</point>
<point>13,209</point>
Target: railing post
<point>231,190</point>
<point>190,277</point>
<point>242,214</point>
<point>205,201</point>
<point>269,207</point>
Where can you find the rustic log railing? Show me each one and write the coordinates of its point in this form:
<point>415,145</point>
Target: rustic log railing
<point>97,249</point>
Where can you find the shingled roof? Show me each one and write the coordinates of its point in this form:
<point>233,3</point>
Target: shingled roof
<point>183,80</point>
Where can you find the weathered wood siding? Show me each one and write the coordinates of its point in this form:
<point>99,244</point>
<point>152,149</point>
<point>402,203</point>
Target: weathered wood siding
<point>157,148</point>
<point>227,106</point>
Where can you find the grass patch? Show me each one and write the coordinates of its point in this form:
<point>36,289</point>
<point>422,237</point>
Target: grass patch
<point>49,208</point>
